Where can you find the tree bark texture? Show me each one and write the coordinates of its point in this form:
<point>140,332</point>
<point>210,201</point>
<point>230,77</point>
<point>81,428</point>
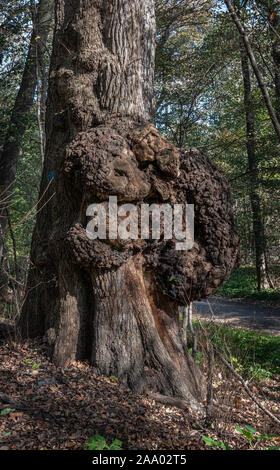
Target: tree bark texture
<point>274,22</point>
<point>112,301</point>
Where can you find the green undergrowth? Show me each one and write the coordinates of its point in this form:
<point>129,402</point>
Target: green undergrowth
<point>253,354</point>
<point>243,284</point>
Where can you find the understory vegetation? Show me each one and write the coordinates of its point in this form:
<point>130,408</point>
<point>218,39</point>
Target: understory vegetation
<point>255,355</point>
<point>243,284</point>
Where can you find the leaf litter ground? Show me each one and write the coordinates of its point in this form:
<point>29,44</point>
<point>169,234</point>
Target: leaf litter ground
<point>54,408</point>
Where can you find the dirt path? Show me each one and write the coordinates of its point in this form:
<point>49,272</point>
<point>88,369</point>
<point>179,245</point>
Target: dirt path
<point>240,313</point>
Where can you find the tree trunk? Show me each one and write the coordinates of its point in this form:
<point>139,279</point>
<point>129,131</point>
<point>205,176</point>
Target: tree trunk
<point>274,23</point>
<point>112,301</point>
<point>247,45</point>
<point>276,60</point>
<point>254,186</point>
<point>23,103</point>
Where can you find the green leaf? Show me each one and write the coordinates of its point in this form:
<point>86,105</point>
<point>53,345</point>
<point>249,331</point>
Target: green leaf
<point>7,411</point>
<point>250,429</point>
<point>224,446</point>
<point>249,435</point>
<point>238,428</point>
<point>96,442</point>
<point>267,436</point>
<point>208,440</point>
<point>116,445</point>
<point>113,378</point>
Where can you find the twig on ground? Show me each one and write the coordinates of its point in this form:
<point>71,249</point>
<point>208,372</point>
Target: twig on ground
<point>242,381</point>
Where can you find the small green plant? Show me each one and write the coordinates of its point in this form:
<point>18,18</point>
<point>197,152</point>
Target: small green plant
<point>114,379</point>
<point>7,411</point>
<point>34,365</point>
<point>210,442</point>
<point>199,356</point>
<point>99,443</point>
<point>253,354</point>
<point>253,437</point>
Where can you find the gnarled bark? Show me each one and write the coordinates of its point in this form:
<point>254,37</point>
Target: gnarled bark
<point>113,301</point>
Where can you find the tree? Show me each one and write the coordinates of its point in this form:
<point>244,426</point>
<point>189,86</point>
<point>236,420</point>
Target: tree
<point>255,67</point>
<point>113,301</point>
<point>269,10</point>
<point>9,155</point>
<point>259,236</point>
<point>263,280</point>
<point>180,26</point>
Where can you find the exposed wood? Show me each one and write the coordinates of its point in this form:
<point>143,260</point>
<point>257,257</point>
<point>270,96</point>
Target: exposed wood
<point>169,401</point>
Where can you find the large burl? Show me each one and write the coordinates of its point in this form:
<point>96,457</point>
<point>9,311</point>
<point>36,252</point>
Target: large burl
<point>141,166</point>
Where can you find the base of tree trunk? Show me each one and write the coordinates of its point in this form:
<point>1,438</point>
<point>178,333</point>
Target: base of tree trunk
<point>132,332</point>
<point>137,336</point>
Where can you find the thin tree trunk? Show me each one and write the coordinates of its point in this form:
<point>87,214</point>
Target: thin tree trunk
<point>11,150</point>
<point>187,324</point>
<point>255,67</point>
<point>254,186</point>
<point>276,60</point>
<point>270,11</point>
<point>274,24</point>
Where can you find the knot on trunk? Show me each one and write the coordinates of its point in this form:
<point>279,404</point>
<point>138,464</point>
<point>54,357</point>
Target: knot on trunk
<point>101,163</point>
<point>138,164</point>
<point>149,145</point>
<point>94,254</point>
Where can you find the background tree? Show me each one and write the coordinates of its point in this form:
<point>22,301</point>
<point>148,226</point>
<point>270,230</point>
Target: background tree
<point>201,92</point>
<point>9,155</point>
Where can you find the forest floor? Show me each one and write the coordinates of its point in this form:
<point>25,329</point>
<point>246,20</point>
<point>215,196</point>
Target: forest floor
<point>44,407</point>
